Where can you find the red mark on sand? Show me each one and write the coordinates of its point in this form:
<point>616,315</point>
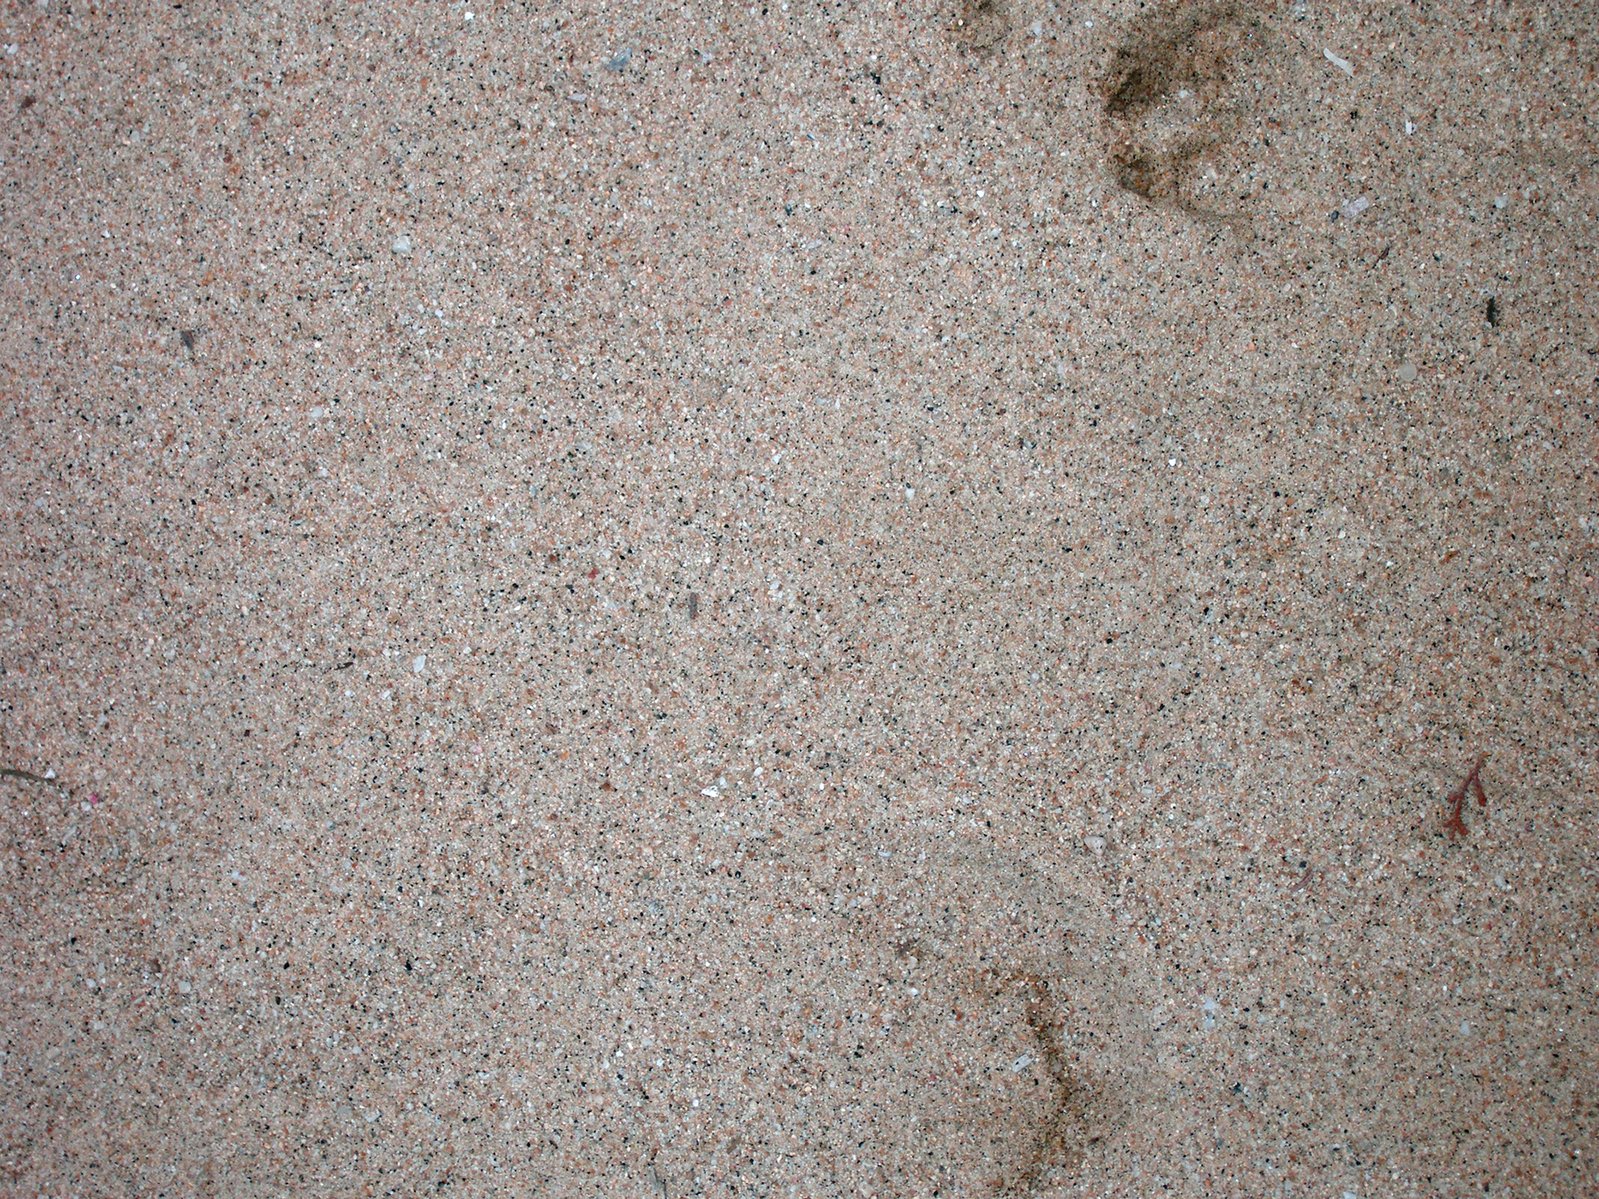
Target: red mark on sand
<point>1456,824</point>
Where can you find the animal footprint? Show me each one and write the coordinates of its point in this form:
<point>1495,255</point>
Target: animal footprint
<point>1010,990</point>
<point>1173,100</point>
<point>981,24</point>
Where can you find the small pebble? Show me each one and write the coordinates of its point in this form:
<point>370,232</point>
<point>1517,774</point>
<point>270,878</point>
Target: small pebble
<point>402,244</point>
<point>1407,372</point>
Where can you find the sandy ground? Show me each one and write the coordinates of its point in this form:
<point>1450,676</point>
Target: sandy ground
<point>799,599</point>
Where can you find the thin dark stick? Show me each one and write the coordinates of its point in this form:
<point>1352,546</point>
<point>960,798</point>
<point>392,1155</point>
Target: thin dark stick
<point>27,776</point>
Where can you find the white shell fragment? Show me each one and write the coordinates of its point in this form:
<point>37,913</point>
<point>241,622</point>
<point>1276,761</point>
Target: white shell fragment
<point>1343,64</point>
<point>1350,209</point>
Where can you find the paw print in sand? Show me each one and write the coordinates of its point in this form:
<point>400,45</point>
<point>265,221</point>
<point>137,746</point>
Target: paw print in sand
<point>1176,95</point>
<point>981,25</point>
<point>1021,1036</point>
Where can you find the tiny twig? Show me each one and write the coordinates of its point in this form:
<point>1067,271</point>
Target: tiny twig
<point>27,776</point>
<point>1456,823</point>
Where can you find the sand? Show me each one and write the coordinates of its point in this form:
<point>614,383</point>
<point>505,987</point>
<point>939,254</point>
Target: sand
<point>799,599</point>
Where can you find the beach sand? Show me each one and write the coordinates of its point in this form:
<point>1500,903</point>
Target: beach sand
<point>959,599</point>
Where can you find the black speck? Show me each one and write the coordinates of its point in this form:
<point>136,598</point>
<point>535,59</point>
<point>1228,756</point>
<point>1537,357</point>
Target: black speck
<point>1493,311</point>
<point>27,103</point>
<point>187,338</point>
